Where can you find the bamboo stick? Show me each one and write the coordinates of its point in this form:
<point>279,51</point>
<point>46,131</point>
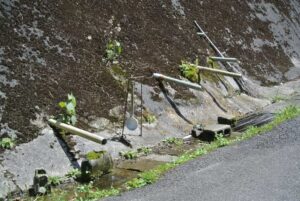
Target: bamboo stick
<point>177,81</point>
<point>77,131</point>
<point>213,70</point>
<point>225,59</point>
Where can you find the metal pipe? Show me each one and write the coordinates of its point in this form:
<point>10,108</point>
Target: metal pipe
<point>77,131</point>
<point>213,70</point>
<point>141,131</point>
<point>177,81</point>
<point>225,59</point>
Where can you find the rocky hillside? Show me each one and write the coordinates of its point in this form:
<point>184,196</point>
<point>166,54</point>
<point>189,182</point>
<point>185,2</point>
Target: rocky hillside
<point>51,48</point>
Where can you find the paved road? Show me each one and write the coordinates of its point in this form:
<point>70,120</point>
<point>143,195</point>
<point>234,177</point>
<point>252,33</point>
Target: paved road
<point>263,168</point>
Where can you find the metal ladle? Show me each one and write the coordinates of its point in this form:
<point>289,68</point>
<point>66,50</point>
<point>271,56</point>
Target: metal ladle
<point>131,122</point>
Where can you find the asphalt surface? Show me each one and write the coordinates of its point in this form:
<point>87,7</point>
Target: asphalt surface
<point>266,167</point>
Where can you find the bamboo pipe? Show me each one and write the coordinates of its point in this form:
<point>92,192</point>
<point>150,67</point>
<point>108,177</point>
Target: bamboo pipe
<point>177,81</point>
<point>240,82</point>
<point>225,59</point>
<point>212,70</point>
<point>79,132</point>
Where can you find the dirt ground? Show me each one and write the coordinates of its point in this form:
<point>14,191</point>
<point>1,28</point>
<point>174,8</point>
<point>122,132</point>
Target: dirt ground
<point>46,50</point>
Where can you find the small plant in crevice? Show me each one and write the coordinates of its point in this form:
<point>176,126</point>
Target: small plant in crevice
<point>145,178</point>
<point>173,140</point>
<point>149,118</point>
<point>277,99</point>
<point>85,188</point>
<point>189,71</point>
<point>212,63</point>
<point>73,173</point>
<point>145,150</point>
<point>221,141</point>
<point>69,108</point>
<point>93,155</point>
<point>87,192</point>
<point>55,180</point>
<point>7,143</point>
<point>113,51</point>
<point>135,183</point>
<point>129,154</point>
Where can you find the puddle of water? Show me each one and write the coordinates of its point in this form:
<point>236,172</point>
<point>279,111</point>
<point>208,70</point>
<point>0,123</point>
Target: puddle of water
<point>125,171</point>
<point>175,150</point>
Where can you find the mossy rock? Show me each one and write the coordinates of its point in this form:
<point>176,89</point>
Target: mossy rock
<point>96,164</point>
<point>94,155</point>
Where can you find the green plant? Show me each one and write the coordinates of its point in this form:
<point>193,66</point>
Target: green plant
<point>98,194</point>
<point>277,98</point>
<point>221,140</point>
<point>173,140</point>
<point>129,154</point>
<point>7,143</point>
<point>87,193</point>
<point>74,173</point>
<point>211,63</point>
<point>149,118</point>
<point>189,71</point>
<point>69,107</point>
<point>85,188</point>
<point>113,50</point>
<point>54,180</point>
<point>144,178</point>
<point>135,183</point>
<point>92,155</point>
<point>145,150</point>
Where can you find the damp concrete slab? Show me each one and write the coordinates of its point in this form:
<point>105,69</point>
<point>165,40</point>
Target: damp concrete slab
<point>43,152</point>
<point>162,158</point>
<point>140,165</point>
<point>6,184</point>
